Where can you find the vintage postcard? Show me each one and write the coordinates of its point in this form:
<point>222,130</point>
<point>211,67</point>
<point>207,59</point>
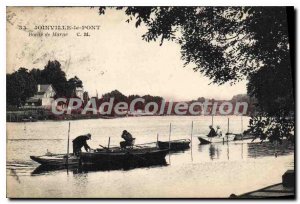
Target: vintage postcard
<point>150,102</point>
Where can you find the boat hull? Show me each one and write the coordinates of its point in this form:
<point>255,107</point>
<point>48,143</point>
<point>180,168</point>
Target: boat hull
<point>243,137</point>
<point>56,160</point>
<point>124,158</point>
<point>208,140</point>
<point>112,158</point>
<point>174,145</point>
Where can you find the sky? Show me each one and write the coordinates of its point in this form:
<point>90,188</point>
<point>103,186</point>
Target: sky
<point>113,57</point>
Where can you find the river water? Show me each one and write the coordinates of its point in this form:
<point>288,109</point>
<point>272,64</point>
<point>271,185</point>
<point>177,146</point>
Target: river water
<point>214,170</point>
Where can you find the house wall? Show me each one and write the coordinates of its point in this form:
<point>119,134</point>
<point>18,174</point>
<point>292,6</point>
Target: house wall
<point>48,97</point>
<point>47,102</point>
<point>79,93</point>
<point>49,93</point>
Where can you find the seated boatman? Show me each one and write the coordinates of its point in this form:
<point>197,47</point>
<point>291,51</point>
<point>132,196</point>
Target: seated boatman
<point>128,139</point>
<point>219,131</point>
<point>212,132</point>
<point>80,142</point>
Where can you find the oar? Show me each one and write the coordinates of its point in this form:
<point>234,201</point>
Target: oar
<point>104,147</point>
<point>139,146</point>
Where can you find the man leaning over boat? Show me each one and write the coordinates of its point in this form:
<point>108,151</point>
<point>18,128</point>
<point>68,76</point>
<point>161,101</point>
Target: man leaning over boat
<point>81,141</point>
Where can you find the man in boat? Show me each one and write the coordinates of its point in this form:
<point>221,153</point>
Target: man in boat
<point>129,140</point>
<point>212,132</point>
<point>80,142</point>
<point>219,131</point>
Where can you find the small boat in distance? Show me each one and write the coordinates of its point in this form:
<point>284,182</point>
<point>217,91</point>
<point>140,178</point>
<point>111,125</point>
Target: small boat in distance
<point>243,136</point>
<point>207,140</point>
<point>175,145</point>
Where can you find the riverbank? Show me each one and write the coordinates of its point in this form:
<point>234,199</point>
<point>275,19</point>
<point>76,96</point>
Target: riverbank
<point>34,115</point>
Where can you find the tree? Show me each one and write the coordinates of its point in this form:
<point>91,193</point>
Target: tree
<point>148,98</point>
<point>117,95</point>
<point>71,86</point>
<point>53,74</point>
<point>76,82</point>
<point>20,86</point>
<point>201,99</point>
<point>224,43</point>
<point>137,105</point>
<point>273,88</point>
<point>229,44</point>
<point>37,75</point>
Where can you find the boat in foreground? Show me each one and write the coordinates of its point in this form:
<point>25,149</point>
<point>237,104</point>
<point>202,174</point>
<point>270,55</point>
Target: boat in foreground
<point>125,157</point>
<point>107,157</point>
<point>175,145</point>
<point>217,139</point>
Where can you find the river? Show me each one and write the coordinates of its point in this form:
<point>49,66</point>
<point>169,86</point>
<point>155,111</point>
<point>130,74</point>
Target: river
<point>213,170</point>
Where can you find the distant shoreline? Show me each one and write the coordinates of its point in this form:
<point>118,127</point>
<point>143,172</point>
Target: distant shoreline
<point>33,116</point>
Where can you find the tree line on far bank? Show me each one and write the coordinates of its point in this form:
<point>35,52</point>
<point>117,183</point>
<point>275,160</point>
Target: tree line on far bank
<point>22,84</point>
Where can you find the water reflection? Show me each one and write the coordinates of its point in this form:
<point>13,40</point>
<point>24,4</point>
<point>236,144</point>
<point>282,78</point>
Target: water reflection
<point>44,169</point>
<point>269,149</point>
<point>81,179</point>
<point>190,170</point>
<point>224,152</point>
<point>245,149</point>
<point>214,152</point>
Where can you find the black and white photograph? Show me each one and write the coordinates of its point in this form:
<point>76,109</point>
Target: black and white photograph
<point>150,102</point>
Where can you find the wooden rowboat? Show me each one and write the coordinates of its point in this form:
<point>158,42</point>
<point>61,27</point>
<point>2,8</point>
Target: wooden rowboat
<point>175,145</point>
<point>243,136</point>
<point>217,139</point>
<point>125,157</point>
<point>107,157</point>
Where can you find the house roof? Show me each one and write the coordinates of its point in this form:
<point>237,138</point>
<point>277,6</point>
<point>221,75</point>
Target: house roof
<point>35,98</point>
<point>40,94</point>
<point>43,87</point>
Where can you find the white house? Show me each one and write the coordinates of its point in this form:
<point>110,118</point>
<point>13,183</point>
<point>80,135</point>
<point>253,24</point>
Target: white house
<point>43,97</point>
<point>79,92</point>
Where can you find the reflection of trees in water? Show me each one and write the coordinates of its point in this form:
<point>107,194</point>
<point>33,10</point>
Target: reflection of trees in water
<point>214,151</point>
<point>269,149</point>
<point>227,151</point>
<point>252,150</point>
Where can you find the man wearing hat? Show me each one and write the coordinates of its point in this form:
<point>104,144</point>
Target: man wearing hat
<point>212,132</point>
<point>129,140</point>
<point>80,142</point>
<point>219,131</point>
